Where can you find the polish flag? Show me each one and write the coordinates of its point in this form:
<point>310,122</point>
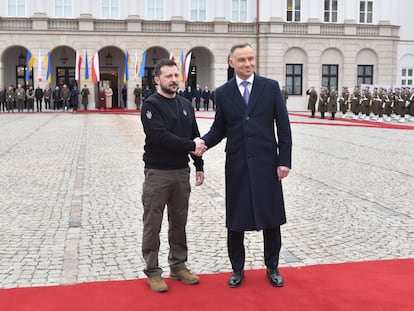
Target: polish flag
<point>95,68</point>
<point>187,66</point>
<point>78,66</point>
<point>39,68</point>
<point>171,57</point>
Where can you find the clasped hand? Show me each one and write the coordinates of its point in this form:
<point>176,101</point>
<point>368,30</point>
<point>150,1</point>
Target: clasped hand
<point>200,147</point>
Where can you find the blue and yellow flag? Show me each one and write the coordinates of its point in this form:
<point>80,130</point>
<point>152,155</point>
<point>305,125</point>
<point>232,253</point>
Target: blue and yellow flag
<point>127,64</point>
<point>86,66</point>
<point>48,72</point>
<point>141,72</point>
<point>29,65</point>
<point>181,66</point>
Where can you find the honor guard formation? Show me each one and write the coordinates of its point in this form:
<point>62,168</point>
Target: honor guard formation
<point>379,104</point>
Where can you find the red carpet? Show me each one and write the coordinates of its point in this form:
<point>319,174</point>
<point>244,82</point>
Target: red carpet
<point>349,122</point>
<point>376,285</point>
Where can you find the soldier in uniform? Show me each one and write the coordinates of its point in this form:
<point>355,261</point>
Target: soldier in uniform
<point>20,97</point>
<point>2,99</point>
<point>381,104</point>
<point>65,97</point>
<point>343,101</point>
<point>332,103</point>
<point>313,98</point>
<point>85,97</point>
<point>399,105</point>
<point>323,99</point>
<point>285,94</point>
<point>365,104</point>
<point>389,103</point>
<point>411,106</point>
<point>355,108</point>
<point>30,96</point>
<point>10,98</point>
<point>138,96</point>
<point>47,95</point>
<point>375,104</point>
<point>406,97</point>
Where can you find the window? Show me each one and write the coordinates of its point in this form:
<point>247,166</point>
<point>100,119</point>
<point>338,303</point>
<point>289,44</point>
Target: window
<point>16,8</point>
<point>294,79</point>
<point>198,10</point>
<point>293,11</point>
<point>63,8</point>
<point>365,11</point>
<point>110,8</point>
<point>407,76</point>
<point>365,74</point>
<point>156,9</point>
<point>331,11</point>
<point>330,76</point>
<point>239,10</point>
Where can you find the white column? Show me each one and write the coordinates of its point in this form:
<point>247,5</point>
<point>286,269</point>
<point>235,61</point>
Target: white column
<point>351,10</point>
<point>265,9</point>
<point>277,9</point>
<point>177,8</point>
<point>85,7</point>
<point>219,8</point>
<point>385,10</point>
<point>312,10</point>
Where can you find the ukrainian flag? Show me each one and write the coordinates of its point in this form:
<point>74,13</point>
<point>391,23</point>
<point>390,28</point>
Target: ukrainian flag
<point>127,64</point>
<point>29,65</point>
<point>181,66</point>
<point>48,73</point>
<point>86,66</point>
<point>141,72</point>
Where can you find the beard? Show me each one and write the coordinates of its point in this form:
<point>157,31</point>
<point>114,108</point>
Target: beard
<point>167,88</point>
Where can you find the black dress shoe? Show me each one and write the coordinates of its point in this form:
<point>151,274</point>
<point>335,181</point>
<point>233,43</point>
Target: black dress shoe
<point>274,277</point>
<point>236,279</point>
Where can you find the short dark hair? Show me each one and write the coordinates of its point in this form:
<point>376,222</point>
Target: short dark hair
<point>238,46</point>
<point>162,63</point>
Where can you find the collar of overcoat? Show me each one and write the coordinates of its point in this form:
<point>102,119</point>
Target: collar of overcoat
<point>255,92</point>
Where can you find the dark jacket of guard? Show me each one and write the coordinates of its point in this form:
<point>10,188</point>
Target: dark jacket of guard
<point>254,198</point>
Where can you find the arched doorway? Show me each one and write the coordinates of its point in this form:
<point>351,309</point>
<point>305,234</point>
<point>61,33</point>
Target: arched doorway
<point>63,66</point>
<point>200,71</point>
<point>111,61</point>
<point>14,60</point>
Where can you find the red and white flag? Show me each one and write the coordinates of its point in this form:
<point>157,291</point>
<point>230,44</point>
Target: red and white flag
<point>136,65</point>
<point>171,57</point>
<point>187,66</point>
<point>78,66</point>
<point>39,68</point>
<point>95,68</point>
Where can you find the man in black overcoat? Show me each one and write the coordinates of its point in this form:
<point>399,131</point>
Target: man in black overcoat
<point>248,107</point>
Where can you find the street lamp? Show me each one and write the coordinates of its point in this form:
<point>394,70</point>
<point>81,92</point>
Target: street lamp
<point>108,58</point>
<point>63,57</point>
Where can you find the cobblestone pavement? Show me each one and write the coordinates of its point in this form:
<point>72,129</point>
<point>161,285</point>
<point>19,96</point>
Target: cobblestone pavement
<point>70,209</point>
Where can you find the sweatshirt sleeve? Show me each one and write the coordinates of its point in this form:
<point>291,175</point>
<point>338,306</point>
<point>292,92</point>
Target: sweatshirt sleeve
<point>198,161</point>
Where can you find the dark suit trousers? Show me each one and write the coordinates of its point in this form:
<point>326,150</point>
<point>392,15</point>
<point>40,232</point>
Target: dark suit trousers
<point>272,244</point>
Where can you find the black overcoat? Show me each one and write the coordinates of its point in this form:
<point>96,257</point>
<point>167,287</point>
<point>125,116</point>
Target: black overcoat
<point>254,198</point>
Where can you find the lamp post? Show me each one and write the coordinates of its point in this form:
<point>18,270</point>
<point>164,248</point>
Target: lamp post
<point>108,59</point>
<point>63,57</point>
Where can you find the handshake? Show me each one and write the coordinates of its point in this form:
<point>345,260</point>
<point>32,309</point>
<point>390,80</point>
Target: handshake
<point>200,147</point>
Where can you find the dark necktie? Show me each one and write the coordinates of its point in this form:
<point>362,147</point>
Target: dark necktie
<point>246,93</point>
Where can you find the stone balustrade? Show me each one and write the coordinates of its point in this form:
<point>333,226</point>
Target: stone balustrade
<point>135,24</point>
